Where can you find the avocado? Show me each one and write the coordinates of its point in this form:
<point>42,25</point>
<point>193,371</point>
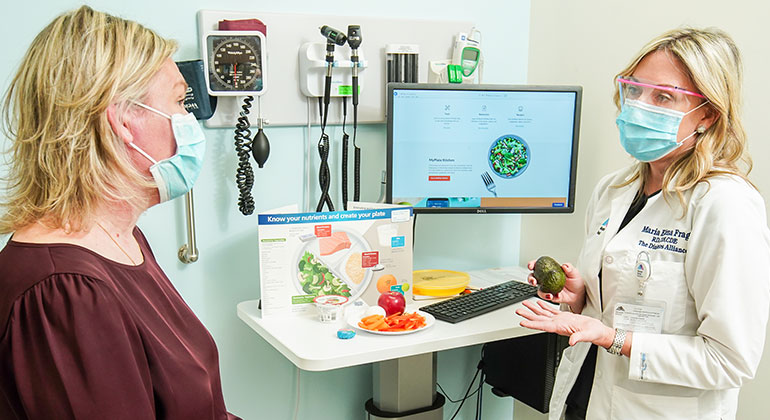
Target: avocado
<point>549,275</point>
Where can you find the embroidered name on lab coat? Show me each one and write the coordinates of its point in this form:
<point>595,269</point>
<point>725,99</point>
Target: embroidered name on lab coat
<point>672,240</point>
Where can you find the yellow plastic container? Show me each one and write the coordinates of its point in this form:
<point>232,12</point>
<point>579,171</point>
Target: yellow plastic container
<point>439,283</point>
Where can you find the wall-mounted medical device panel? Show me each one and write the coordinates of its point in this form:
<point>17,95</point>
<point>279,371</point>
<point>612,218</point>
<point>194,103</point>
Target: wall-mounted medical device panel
<point>284,100</point>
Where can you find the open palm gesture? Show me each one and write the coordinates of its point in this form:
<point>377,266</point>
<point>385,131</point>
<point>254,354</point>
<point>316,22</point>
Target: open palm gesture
<point>542,316</point>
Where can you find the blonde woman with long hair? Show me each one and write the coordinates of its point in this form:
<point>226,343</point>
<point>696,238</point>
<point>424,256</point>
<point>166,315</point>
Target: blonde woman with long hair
<point>90,326</point>
<point>672,280</point>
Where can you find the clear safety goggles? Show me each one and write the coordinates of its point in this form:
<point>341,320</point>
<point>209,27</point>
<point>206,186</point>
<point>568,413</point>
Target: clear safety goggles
<point>666,96</point>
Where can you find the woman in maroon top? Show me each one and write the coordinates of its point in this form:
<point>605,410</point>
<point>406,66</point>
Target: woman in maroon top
<point>90,326</point>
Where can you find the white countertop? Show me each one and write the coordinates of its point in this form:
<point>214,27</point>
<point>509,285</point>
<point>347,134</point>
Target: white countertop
<point>314,346</point>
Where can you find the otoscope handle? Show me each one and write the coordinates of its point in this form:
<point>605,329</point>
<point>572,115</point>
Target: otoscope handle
<point>357,175</point>
<point>355,96</point>
<point>327,99</point>
<point>327,90</point>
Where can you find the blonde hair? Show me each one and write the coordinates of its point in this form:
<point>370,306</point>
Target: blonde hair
<point>713,64</point>
<point>65,158</point>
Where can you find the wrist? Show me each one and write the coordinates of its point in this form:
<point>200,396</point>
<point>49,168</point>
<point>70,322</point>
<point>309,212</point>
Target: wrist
<point>577,306</point>
<point>618,342</point>
<point>607,338</point>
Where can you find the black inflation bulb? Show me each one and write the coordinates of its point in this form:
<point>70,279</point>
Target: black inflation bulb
<point>260,147</point>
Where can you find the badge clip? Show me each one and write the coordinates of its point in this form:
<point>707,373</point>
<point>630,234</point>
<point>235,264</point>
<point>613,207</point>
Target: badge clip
<point>643,271</point>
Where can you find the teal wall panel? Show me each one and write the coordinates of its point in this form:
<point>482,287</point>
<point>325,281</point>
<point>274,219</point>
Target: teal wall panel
<point>258,382</point>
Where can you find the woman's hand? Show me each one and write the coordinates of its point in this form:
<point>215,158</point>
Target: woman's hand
<point>542,316</point>
<point>574,292</point>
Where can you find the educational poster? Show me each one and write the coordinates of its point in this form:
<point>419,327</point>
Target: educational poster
<point>357,254</point>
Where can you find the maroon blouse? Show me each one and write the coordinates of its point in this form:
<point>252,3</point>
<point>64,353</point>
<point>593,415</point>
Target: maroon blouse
<point>84,337</point>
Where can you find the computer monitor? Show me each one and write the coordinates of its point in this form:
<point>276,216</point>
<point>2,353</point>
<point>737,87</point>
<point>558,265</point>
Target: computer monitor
<point>483,148</point>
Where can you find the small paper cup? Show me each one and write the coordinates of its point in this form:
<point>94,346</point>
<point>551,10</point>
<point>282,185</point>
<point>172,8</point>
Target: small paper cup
<point>329,307</point>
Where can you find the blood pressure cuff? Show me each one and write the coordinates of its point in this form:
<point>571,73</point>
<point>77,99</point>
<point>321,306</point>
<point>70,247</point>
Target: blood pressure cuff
<point>197,99</point>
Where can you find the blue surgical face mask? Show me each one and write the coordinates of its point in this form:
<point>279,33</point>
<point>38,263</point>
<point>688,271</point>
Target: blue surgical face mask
<point>648,132</point>
<point>176,175</point>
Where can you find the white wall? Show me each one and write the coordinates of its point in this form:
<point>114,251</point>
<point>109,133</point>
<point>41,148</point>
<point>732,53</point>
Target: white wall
<point>258,382</point>
<point>586,43</point>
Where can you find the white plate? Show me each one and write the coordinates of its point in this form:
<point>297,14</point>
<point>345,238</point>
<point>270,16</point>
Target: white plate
<point>429,321</point>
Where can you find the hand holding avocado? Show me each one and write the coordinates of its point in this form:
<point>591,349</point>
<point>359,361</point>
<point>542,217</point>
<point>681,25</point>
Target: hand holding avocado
<point>558,283</point>
<point>549,275</point>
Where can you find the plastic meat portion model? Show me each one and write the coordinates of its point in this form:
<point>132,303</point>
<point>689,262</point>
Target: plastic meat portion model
<point>336,242</point>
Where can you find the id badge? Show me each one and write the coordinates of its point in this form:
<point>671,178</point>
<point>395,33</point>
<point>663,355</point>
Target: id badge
<point>640,315</point>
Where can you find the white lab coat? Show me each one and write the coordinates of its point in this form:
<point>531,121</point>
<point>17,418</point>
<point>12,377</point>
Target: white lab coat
<point>710,267</point>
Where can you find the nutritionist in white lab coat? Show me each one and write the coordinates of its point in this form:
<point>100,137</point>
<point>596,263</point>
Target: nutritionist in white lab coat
<point>667,306</point>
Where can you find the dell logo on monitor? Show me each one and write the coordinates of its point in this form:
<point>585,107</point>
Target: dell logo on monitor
<point>481,210</point>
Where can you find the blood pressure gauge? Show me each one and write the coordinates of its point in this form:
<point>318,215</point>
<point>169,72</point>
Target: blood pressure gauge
<point>235,63</point>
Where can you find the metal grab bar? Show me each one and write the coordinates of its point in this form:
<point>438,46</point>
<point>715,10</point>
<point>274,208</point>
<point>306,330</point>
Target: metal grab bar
<point>188,253</point>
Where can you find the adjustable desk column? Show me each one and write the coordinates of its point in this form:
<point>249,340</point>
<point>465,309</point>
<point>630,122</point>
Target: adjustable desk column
<point>314,346</point>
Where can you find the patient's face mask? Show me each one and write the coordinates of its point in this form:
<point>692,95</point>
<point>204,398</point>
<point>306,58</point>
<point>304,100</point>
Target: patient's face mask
<point>176,175</point>
<point>648,131</point>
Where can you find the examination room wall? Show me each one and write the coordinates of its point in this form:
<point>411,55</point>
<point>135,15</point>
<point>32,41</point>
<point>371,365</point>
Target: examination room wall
<point>587,43</point>
<point>258,382</point>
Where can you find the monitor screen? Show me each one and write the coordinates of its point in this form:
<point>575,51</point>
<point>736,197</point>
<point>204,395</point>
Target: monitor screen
<point>483,148</point>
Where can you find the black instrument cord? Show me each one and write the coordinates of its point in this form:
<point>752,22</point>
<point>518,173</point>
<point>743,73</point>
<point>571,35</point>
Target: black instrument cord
<point>356,159</point>
<point>244,175</point>
<point>354,41</point>
<point>345,138</point>
<point>356,149</point>
<point>324,174</point>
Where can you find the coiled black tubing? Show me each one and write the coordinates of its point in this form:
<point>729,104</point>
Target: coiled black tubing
<point>244,175</point>
<point>324,175</point>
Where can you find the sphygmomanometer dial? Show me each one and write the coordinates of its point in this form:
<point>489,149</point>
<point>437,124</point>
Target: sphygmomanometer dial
<point>235,64</point>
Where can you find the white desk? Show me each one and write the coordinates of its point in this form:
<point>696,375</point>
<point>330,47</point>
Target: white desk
<point>314,346</point>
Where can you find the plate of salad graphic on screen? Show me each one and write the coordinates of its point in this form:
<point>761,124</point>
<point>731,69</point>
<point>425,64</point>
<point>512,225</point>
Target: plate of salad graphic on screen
<point>509,156</point>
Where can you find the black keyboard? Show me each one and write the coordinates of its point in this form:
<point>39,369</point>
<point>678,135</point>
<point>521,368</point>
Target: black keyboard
<point>477,303</point>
